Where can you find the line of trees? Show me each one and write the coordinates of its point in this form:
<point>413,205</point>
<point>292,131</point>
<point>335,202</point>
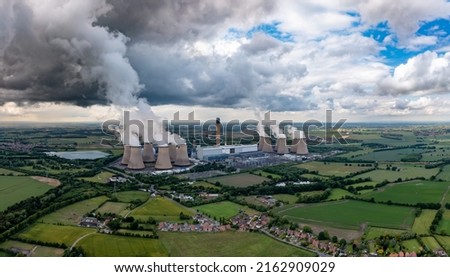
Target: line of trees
<point>437,218</point>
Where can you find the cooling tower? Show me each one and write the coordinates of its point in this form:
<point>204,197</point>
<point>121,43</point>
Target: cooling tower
<point>260,143</point>
<point>135,161</point>
<point>172,152</point>
<point>281,146</point>
<point>126,154</point>
<point>163,160</point>
<point>182,156</point>
<point>302,148</point>
<point>267,145</point>
<point>148,155</point>
<point>294,145</point>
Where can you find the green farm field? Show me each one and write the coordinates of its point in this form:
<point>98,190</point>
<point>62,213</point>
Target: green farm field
<point>441,153</point>
<point>423,222</point>
<point>338,194</point>
<point>102,177</point>
<point>390,155</point>
<point>239,180</point>
<point>228,244</point>
<point>431,243</point>
<point>408,138</point>
<point>375,232</point>
<point>4,171</point>
<point>161,209</point>
<point>444,224</point>
<point>369,183</point>
<point>266,174</point>
<point>251,200</point>
<point>14,189</point>
<point>330,169</point>
<point>288,198</point>
<point>445,174</point>
<point>412,245</point>
<point>349,214</point>
<point>410,192</point>
<point>112,207</point>
<point>34,250</point>
<point>72,214</point>
<point>224,209</point>
<point>355,154</point>
<point>205,185</point>
<point>129,196</point>
<point>55,233</point>
<point>101,245</point>
<point>406,171</point>
<point>444,241</point>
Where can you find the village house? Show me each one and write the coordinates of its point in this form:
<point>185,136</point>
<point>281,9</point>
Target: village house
<point>90,222</point>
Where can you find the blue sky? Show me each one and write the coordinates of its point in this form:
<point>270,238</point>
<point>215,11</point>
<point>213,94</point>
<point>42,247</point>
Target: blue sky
<point>392,53</point>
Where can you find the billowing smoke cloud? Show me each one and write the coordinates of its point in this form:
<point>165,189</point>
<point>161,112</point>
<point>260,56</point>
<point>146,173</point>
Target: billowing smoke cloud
<point>53,52</point>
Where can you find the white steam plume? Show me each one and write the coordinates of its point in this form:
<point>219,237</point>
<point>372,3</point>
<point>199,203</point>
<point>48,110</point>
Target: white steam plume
<point>260,127</point>
<point>276,131</point>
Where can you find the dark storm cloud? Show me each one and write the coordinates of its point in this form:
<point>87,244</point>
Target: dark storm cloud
<point>35,68</point>
<point>213,81</point>
<point>174,20</point>
<point>100,52</point>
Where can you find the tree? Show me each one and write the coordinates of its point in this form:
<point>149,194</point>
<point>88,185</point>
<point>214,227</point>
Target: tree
<point>324,235</point>
<point>134,225</point>
<point>184,217</point>
<point>114,224</point>
<point>307,229</point>
<point>334,239</point>
<point>293,226</point>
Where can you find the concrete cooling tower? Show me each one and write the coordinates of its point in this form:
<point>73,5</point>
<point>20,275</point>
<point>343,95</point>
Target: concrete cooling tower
<point>302,148</point>
<point>126,154</point>
<point>294,145</point>
<point>148,155</point>
<point>281,146</point>
<point>267,145</point>
<point>135,161</point>
<point>260,143</point>
<point>163,160</point>
<point>182,156</point>
<point>172,152</point>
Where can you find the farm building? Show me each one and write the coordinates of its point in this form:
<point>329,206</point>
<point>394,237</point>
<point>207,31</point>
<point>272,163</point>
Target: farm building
<point>207,153</point>
<point>90,222</point>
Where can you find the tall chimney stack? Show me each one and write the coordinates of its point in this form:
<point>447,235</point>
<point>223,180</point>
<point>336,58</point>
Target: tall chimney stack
<point>163,160</point>
<point>135,161</point>
<point>218,128</point>
<point>182,156</point>
<point>148,155</point>
<point>126,155</point>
